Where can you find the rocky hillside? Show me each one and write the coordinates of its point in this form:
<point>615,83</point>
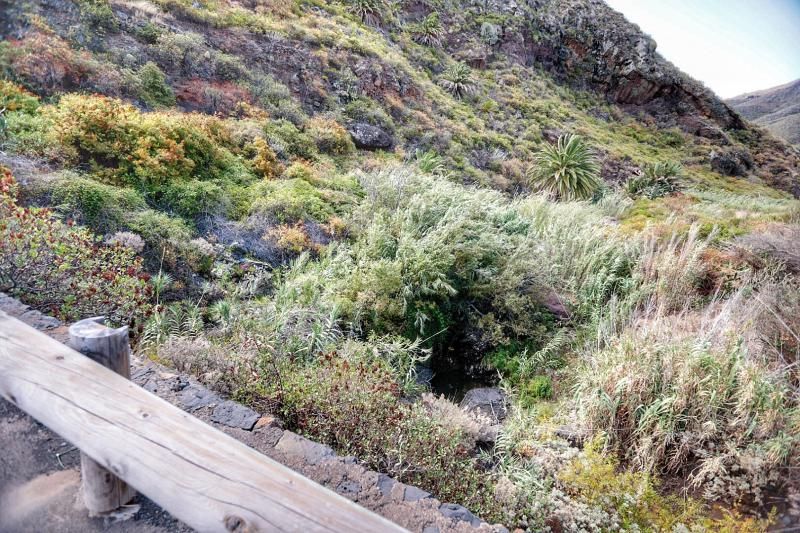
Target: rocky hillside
<point>777,109</point>
<point>311,59</point>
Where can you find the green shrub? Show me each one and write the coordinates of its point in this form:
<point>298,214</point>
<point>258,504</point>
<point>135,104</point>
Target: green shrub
<point>30,135</point>
<point>289,141</point>
<point>352,402</point>
<point>103,207</point>
<point>367,110</point>
<point>457,80</point>
<point>183,52</point>
<point>15,98</point>
<point>64,270</point>
<point>98,15</point>
<point>195,198</point>
<point>291,200</point>
<point>533,390</point>
<point>146,150</point>
<point>425,251</point>
<point>302,171</point>
<point>164,237</point>
<point>264,162</point>
<point>567,169</point>
<point>152,87</point>
<point>148,32</point>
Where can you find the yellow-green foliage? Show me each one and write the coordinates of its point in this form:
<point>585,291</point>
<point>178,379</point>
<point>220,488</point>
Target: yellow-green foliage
<point>291,200</point>
<point>145,150</point>
<point>264,161</point>
<point>594,478</point>
<point>15,98</point>
<point>330,136</point>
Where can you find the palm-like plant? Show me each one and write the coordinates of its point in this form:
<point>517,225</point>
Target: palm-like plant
<point>429,31</point>
<point>457,80</point>
<point>567,169</point>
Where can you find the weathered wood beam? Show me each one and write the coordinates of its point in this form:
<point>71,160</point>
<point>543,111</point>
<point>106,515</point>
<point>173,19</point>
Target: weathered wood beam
<point>102,491</point>
<point>201,476</point>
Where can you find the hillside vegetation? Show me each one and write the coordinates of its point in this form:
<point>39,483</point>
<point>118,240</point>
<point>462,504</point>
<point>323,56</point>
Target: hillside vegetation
<point>310,205</point>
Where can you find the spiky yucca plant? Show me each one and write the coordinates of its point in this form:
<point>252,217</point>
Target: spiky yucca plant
<point>429,31</point>
<point>567,169</point>
<point>457,80</point>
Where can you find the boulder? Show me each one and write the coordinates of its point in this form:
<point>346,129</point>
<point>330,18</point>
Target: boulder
<point>369,137</point>
<point>489,401</point>
<point>195,397</point>
<point>732,162</point>
<point>554,303</point>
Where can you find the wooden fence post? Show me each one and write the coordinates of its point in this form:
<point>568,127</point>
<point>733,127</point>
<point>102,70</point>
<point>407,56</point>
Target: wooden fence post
<point>102,491</point>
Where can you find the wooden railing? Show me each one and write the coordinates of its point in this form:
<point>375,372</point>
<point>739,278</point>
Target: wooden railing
<point>200,475</point>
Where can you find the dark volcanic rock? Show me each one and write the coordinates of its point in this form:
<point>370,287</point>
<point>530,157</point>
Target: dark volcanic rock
<point>311,451</point>
<point>489,401</point>
<point>733,162</point>
<point>460,513</point>
<point>195,397</point>
<point>235,415</point>
<point>614,170</point>
<point>592,46</point>
<point>370,137</point>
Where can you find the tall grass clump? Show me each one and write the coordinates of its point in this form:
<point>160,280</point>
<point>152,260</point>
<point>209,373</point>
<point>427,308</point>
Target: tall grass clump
<point>693,394</point>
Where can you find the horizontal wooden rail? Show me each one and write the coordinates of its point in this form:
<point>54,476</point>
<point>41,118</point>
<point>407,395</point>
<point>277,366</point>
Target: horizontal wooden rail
<point>200,475</point>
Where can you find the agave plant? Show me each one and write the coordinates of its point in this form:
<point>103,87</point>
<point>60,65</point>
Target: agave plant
<point>567,169</point>
<point>457,80</point>
<point>429,31</point>
<point>658,179</point>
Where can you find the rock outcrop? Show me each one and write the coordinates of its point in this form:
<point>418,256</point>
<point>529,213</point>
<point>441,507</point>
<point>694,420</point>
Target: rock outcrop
<point>369,137</point>
<point>594,47</point>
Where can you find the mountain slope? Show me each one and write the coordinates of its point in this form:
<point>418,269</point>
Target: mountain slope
<point>336,199</point>
<point>777,109</point>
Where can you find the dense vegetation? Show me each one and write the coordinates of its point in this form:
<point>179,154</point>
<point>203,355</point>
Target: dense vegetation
<point>617,280</point>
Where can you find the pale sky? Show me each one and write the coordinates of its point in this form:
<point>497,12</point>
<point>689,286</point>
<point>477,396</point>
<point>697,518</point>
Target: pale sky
<point>732,46</point>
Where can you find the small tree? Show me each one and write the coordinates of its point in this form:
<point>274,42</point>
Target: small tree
<point>567,169</point>
<point>152,87</point>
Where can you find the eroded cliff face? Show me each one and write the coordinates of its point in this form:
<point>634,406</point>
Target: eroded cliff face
<point>588,45</point>
<point>591,46</point>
